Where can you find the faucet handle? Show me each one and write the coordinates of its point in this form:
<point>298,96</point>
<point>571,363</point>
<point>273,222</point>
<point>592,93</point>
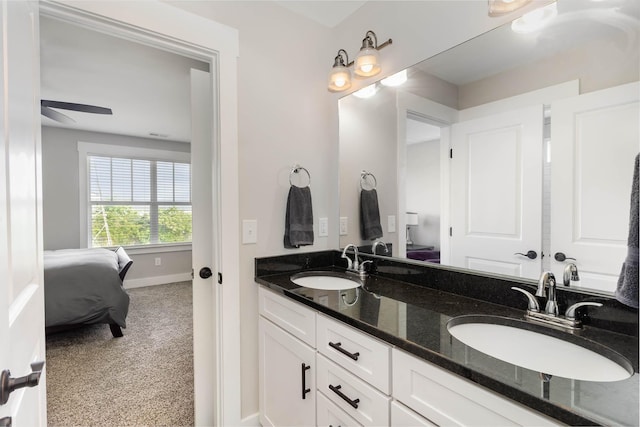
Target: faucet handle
<point>570,314</point>
<point>533,302</point>
<point>361,268</point>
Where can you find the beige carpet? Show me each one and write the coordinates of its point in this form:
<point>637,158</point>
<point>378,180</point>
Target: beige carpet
<point>144,378</point>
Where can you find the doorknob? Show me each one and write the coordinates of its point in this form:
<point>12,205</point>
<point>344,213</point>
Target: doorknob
<point>529,254</point>
<point>559,256</point>
<point>9,384</point>
<point>205,273</point>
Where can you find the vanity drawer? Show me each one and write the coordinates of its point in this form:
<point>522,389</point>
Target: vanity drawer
<point>448,399</point>
<point>369,407</point>
<point>295,318</point>
<point>361,354</point>
<point>401,416</point>
<point>330,415</point>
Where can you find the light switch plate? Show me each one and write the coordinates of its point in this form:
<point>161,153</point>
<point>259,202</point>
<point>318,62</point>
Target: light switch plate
<point>249,231</point>
<point>343,226</point>
<point>323,227</point>
<point>391,224</point>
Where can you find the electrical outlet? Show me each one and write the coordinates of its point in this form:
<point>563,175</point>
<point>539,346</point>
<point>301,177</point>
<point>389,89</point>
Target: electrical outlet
<point>343,226</point>
<point>391,224</point>
<point>323,227</point>
<point>158,261</point>
<point>249,231</point>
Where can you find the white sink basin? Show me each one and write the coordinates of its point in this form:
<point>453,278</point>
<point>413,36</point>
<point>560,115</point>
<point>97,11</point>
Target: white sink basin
<point>325,280</point>
<point>507,340</point>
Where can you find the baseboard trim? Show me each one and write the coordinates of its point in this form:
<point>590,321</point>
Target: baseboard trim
<point>157,280</point>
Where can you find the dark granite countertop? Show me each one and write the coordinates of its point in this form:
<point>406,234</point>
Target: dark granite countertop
<point>413,317</point>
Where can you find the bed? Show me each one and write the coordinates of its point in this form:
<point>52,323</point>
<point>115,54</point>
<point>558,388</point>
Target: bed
<point>84,286</point>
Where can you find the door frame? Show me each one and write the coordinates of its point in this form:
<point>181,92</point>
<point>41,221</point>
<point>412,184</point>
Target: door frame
<point>169,28</point>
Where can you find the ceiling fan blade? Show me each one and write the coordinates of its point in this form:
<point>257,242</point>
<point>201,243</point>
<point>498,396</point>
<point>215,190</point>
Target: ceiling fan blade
<point>54,115</point>
<point>84,108</point>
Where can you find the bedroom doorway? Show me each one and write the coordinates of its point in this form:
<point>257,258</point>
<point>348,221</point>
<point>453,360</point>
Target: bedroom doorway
<point>205,294</point>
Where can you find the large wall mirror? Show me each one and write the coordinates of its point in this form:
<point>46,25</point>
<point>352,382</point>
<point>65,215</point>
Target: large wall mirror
<point>511,153</point>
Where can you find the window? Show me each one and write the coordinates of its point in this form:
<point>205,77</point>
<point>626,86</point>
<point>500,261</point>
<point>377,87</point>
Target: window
<point>137,200</point>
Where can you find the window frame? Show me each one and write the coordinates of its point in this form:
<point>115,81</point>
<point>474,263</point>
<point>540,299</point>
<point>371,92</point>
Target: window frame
<point>86,149</point>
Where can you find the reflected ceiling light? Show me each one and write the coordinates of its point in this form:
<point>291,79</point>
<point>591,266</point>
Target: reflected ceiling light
<point>502,7</point>
<point>340,76</point>
<point>535,20</point>
<point>396,79</point>
<point>366,92</point>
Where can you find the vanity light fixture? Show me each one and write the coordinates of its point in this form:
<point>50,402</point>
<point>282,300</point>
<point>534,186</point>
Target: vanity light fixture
<point>502,7</point>
<point>366,63</point>
<point>395,79</point>
<point>340,76</point>
<point>535,20</point>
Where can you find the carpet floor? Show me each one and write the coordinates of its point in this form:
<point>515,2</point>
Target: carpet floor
<point>144,378</point>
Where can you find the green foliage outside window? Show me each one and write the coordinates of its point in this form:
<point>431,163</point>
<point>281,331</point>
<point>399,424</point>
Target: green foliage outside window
<point>126,226</point>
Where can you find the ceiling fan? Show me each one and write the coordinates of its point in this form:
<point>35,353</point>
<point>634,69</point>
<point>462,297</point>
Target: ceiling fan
<point>47,110</point>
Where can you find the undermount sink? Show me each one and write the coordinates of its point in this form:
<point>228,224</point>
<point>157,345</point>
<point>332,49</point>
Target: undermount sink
<point>325,280</point>
<point>531,346</point>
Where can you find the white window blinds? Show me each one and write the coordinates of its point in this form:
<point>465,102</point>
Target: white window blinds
<point>138,201</point>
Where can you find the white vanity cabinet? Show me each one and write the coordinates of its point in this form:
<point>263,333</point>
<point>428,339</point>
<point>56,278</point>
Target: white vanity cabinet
<point>448,399</point>
<point>287,362</point>
<point>315,370</point>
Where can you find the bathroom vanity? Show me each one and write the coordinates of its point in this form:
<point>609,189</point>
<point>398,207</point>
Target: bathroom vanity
<point>381,353</point>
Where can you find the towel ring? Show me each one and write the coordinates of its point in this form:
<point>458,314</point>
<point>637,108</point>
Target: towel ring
<point>363,180</point>
<point>297,169</point>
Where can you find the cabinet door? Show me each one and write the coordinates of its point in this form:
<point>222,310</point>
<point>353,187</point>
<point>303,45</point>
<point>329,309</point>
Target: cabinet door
<point>287,378</point>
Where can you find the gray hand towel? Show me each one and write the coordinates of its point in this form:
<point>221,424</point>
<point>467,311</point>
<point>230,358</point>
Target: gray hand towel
<point>298,227</point>
<point>627,289</point>
<point>369,215</point>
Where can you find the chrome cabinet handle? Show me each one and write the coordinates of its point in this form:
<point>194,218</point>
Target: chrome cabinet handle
<point>336,390</point>
<point>8,384</point>
<point>338,346</point>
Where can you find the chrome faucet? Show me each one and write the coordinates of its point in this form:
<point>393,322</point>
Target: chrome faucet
<point>550,315</point>
<point>548,280</point>
<point>570,274</point>
<point>377,243</point>
<point>355,266</point>
<point>351,265</point>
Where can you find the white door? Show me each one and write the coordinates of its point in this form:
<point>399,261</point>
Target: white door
<point>21,291</point>
<point>205,295</point>
<point>496,192</point>
<point>594,141</point>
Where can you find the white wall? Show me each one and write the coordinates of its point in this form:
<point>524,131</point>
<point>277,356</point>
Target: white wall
<point>61,201</point>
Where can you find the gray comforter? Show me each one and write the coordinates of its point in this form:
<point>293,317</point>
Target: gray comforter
<point>83,286</point>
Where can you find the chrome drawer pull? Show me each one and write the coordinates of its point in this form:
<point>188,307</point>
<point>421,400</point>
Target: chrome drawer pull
<point>338,346</point>
<point>336,390</point>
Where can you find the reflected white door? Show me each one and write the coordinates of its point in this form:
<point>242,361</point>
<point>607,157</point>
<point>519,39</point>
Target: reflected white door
<point>21,290</point>
<point>205,294</point>
<point>594,141</point>
<point>496,192</point>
